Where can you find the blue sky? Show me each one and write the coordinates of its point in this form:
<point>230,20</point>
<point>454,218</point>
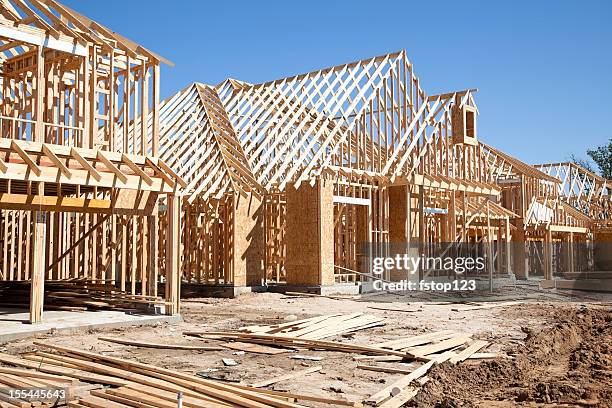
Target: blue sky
<point>543,68</point>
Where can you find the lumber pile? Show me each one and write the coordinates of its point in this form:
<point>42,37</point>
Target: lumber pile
<point>133,384</point>
<point>305,333</point>
<point>146,344</point>
<point>75,295</point>
<point>20,379</point>
<point>320,327</point>
<point>434,348</point>
<point>291,342</point>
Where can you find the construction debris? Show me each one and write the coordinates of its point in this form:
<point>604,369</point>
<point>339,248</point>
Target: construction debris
<point>77,294</point>
<point>144,383</point>
<point>320,327</point>
<point>297,342</point>
<point>285,377</point>
<point>144,344</point>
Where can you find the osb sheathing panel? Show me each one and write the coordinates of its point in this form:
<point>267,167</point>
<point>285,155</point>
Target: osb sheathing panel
<point>310,234</point>
<point>399,227</point>
<point>398,213</point>
<point>249,245</point>
<point>326,191</point>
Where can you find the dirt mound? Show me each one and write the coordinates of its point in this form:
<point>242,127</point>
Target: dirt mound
<point>569,363</point>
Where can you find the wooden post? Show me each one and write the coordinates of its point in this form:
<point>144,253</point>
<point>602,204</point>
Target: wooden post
<point>548,254</point>
<point>37,289</point>
<point>152,254</point>
<point>489,247</point>
<point>93,103</point>
<point>521,270</point>
<point>570,250</point>
<point>155,125</point>
<point>422,238</point>
<point>507,239</point>
<point>173,284</point>
<point>39,135</point>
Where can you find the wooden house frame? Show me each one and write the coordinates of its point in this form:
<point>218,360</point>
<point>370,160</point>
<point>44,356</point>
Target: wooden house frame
<point>591,195</point>
<point>79,177</point>
<point>545,220</point>
<point>325,163</point>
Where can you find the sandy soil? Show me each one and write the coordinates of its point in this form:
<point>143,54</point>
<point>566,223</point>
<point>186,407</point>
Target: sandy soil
<point>562,351</point>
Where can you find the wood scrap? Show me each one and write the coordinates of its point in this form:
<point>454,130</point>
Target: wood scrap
<point>485,306</point>
<point>472,348</point>
<point>254,348</point>
<point>309,358</point>
<point>476,356</point>
<point>303,397</point>
<point>284,377</point>
<point>398,386</point>
<point>405,395</point>
<point>453,342</point>
<point>417,340</point>
<point>391,309</point>
<point>285,340</point>
<point>158,382</point>
<point>381,369</point>
<point>144,344</point>
<point>335,297</point>
<point>321,327</point>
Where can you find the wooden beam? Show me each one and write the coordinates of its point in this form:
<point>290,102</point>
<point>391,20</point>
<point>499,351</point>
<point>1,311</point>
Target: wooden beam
<point>26,158</point>
<point>111,166</point>
<point>160,172</point>
<point>136,169</point>
<point>60,165</point>
<point>85,164</point>
<point>28,202</point>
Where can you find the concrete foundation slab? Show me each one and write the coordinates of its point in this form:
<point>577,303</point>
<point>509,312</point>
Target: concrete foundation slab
<point>14,322</point>
<point>337,289</point>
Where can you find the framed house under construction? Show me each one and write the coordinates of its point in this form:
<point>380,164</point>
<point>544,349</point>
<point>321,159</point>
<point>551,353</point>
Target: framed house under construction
<point>300,181</point>
<point>79,176</point>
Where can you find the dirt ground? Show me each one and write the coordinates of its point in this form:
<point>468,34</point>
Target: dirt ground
<point>560,351</point>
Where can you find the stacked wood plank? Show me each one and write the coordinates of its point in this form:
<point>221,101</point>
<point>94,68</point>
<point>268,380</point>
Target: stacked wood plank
<point>20,379</point>
<point>135,384</point>
<point>320,327</point>
<point>75,294</point>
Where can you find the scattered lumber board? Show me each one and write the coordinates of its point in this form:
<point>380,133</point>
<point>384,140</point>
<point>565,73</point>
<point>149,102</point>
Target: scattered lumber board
<point>303,397</point>
<point>284,377</point>
<point>320,327</point>
<point>472,348</point>
<point>391,309</point>
<point>418,340</point>
<point>76,295</point>
<point>404,396</point>
<point>144,344</point>
<point>335,297</point>
<point>144,385</point>
<point>434,348</point>
<point>289,341</point>
<point>381,369</point>
<point>398,386</point>
<point>476,356</point>
<point>485,306</point>
<point>254,348</point>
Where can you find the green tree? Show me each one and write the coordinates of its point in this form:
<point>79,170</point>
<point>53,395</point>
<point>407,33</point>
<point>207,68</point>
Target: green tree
<point>602,156</point>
